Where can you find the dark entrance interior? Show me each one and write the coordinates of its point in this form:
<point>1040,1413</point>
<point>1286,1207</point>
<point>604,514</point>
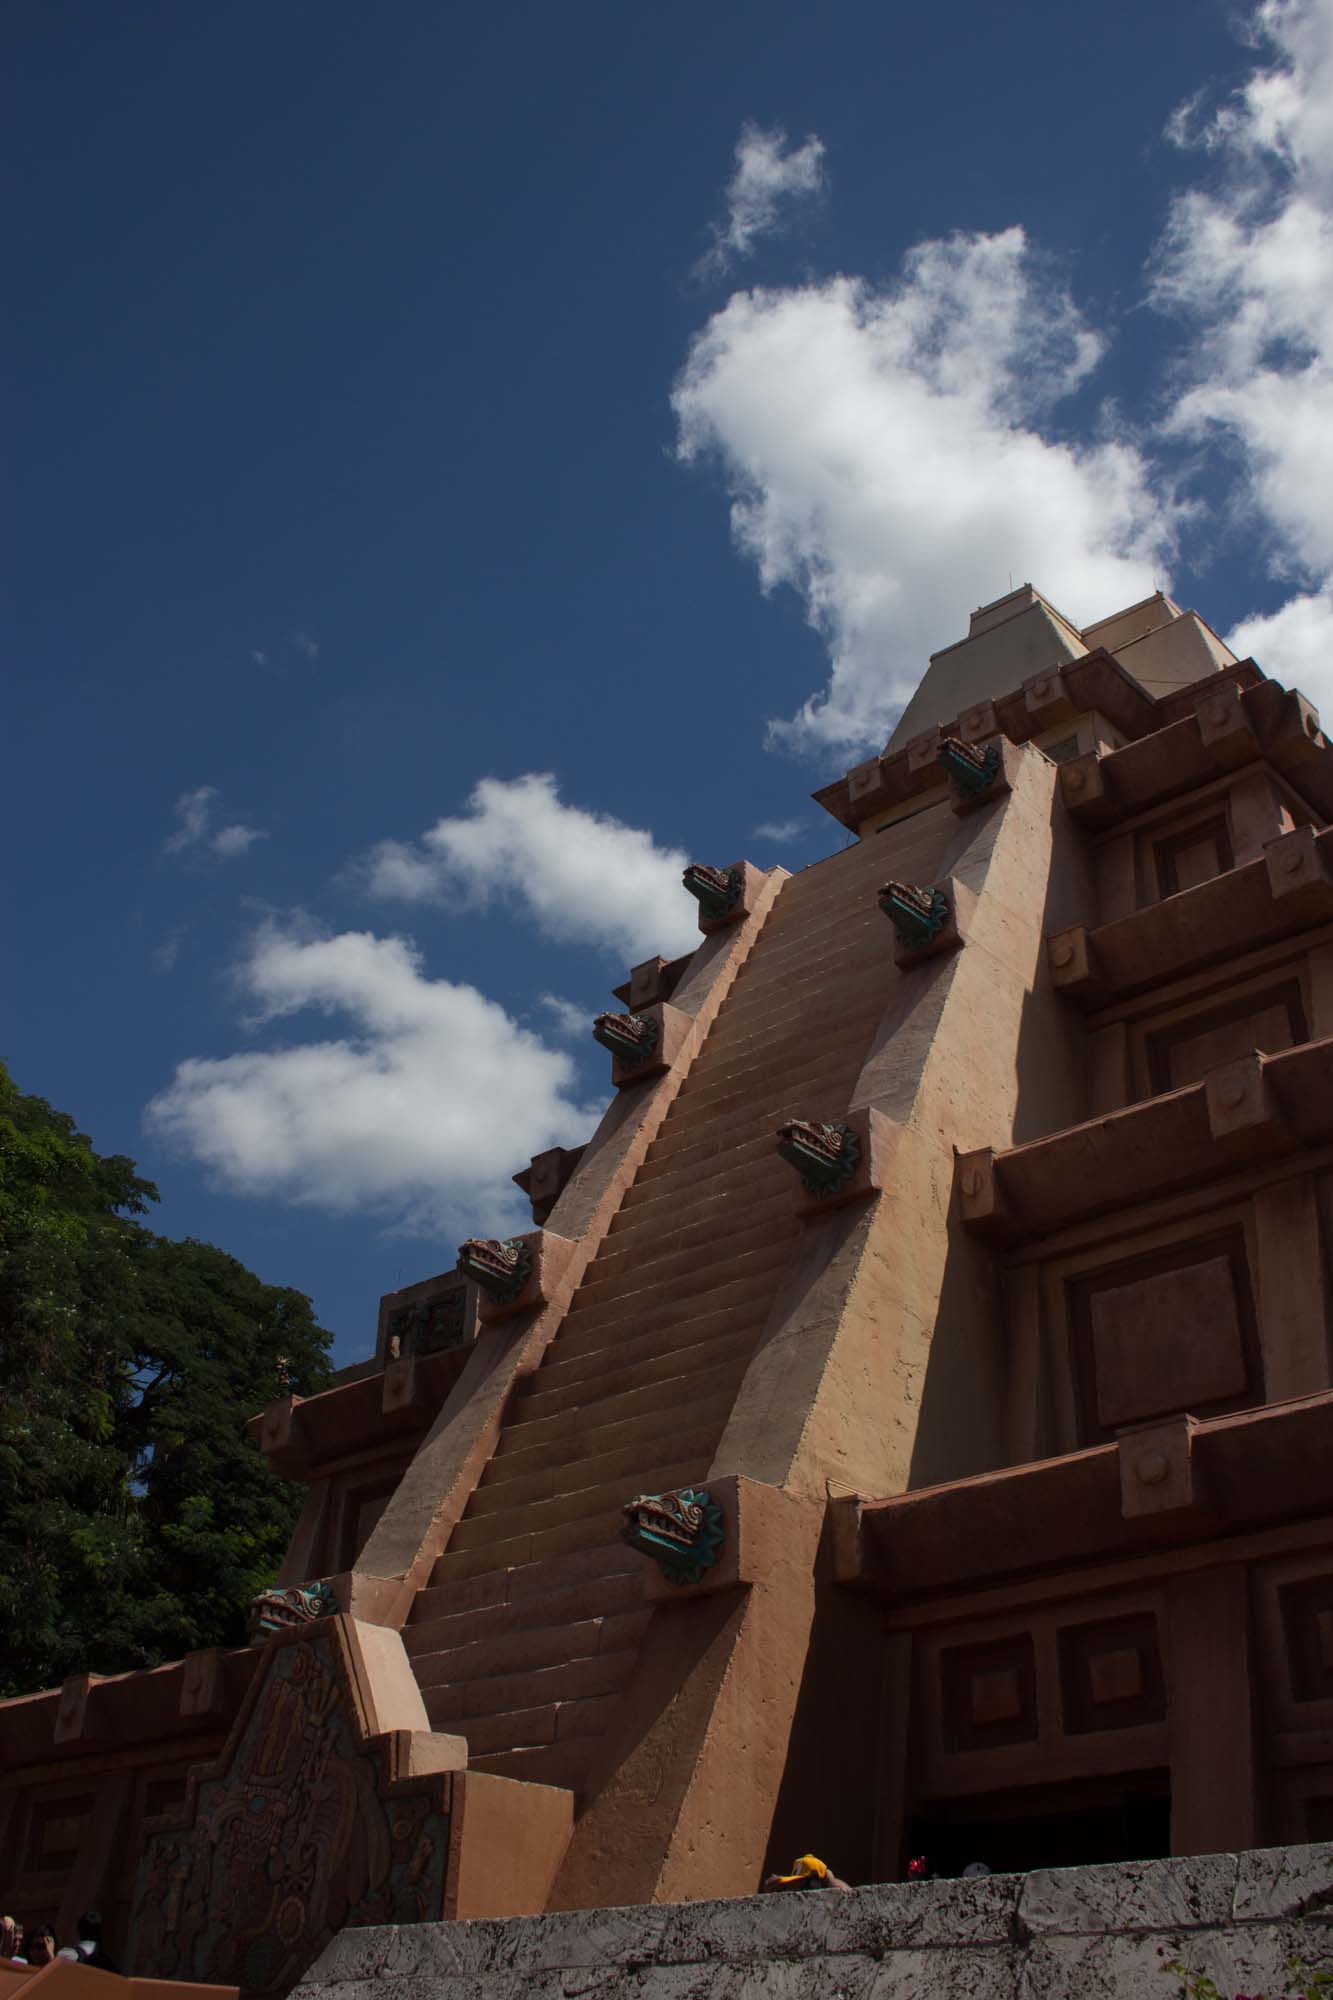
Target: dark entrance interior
<point>1047,1827</point>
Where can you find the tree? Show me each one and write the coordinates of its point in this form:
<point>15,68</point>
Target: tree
<point>136,1520</point>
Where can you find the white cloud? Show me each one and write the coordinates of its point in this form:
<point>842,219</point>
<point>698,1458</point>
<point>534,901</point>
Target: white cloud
<point>769,174</point>
<point>233,840</point>
<point>780,831</point>
<point>1295,645</point>
<point>885,456</point>
<point>583,878</point>
<point>194,827</point>
<point>568,1020</point>
<point>419,1110</point>
<point>305,645</point>
<point>1249,262</point>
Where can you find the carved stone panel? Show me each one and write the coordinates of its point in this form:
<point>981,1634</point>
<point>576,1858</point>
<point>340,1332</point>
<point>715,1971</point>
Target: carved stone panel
<point>296,1830</point>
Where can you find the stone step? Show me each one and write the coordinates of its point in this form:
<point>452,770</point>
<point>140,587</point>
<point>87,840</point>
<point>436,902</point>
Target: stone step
<point>564,1765</point>
<point>858,960</point>
<point>727,1087</point>
<point>526,1648</point>
<point>672,1204</point>
<point>642,1433</point>
<point>735,1292</point>
<point>684,1274</point>
<point>580,1503</point>
<point>523,1582</point>
<point>569,1537</point>
<point>594,1352</point>
<point>580,1469</point>
<point>798,1024</point>
<point>690,1250</point>
<point>662,1401</point>
<point>639,1233</point>
<point>437,1623</point>
<point>704,1158</point>
<point>664,1362</point>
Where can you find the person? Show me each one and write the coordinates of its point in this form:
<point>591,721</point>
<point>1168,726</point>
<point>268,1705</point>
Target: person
<point>89,1946</point>
<point>41,1949</point>
<point>807,1872</point>
<point>11,1940</point>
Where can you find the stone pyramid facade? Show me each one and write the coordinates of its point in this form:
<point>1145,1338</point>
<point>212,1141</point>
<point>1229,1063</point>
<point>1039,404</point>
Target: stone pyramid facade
<point>907,1426</point>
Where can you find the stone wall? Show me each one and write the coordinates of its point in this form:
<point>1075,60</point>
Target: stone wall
<point>1055,1934</point>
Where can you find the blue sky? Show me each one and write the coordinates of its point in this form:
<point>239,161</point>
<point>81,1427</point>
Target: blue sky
<point>468,460</point>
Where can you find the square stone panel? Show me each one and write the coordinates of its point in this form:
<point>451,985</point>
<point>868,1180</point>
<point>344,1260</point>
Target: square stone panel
<point>1111,1674</point>
<point>1165,1333</point>
<point>988,1693</point>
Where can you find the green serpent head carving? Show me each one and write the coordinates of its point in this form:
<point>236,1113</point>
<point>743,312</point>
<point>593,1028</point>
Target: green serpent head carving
<point>681,1531</point>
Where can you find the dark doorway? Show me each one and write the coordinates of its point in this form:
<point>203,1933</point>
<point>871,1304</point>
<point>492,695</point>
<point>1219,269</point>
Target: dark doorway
<point>1049,1827</point>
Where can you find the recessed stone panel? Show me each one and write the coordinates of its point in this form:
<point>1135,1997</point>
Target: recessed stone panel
<point>1111,1674</point>
<point>1271,1020</point>
<point>988,1694</point>
<point>1165,1333</point>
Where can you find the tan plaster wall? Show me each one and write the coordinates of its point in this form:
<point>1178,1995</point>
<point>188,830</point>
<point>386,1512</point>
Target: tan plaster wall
<point>1173,655</point>
<point>1033,641</point>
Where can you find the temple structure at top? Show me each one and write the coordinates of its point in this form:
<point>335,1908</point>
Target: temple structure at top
<point>907,1427</point>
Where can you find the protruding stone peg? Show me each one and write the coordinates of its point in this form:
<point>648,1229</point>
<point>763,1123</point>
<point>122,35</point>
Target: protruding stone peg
<point>825,1156</point>
<point>716,890</point>
<point>631,1038</point>
<point>918,915</point>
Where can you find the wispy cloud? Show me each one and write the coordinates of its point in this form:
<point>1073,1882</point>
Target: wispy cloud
<point>581,877</point>
<point>305,645</point>
<point>416,1109</point>
<point>195,814</point>
<point>568,1020</point>
<point>779,831</point>
<point>769,176</point>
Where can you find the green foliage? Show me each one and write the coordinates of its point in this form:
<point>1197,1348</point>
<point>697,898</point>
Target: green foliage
<point>1302,1983</point>
<point>136,1520</point>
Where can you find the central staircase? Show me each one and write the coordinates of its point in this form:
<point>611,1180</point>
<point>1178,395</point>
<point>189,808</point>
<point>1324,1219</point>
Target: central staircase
<point>529,1628</point>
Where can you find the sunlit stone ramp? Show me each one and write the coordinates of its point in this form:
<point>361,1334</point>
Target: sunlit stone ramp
<point>1058,1933</point>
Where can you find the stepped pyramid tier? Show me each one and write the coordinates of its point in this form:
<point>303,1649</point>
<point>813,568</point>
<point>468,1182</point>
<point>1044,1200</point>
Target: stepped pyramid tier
<point>908,1427</point>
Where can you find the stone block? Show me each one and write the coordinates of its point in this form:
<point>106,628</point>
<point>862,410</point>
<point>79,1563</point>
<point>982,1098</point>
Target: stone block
<point>545,1177</point>
<point>203,1691</point>
<point>72,1711</point>
<point>1224,725</point>
<point>1275,1883</point>
<point>274,1432</point>
<point>1045,699</point>
<point>1082,782</point>
<point>1157,1469</point>
<point>1072,958</point>
<point>981,1202</point>
<point>1182,1894</point>
<point>867,789</point>
<point>975,725</point>
<point>923,751</point>
<point>1238,1097</point>
<point>1293,861</point>
<point>398,1385</point>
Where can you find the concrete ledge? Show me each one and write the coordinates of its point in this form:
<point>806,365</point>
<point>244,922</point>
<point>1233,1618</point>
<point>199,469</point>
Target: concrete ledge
<point>1057,1933</point>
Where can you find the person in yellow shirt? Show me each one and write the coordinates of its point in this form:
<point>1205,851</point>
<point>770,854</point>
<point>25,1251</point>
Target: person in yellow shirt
<point>807,1872</point>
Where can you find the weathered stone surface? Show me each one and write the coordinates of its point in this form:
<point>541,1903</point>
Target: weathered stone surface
<point>1275,1882</point>
<point>1056,1934</point>
<point>1130,1896</point>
